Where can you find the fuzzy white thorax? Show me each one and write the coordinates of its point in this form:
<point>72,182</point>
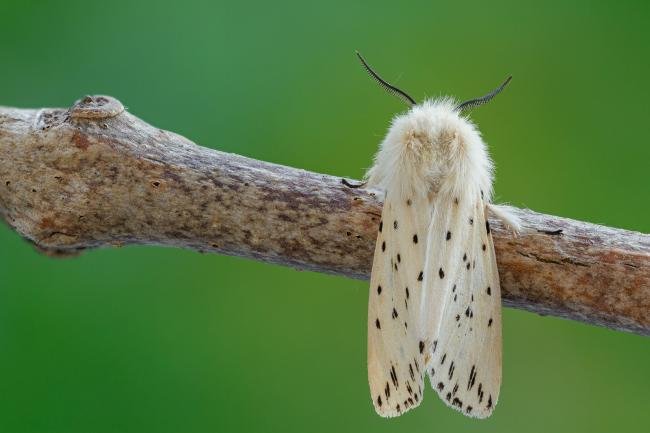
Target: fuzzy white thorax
<point>432,149</point>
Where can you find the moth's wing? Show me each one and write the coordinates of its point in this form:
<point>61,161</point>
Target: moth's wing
<point>464,311</point>
<point>395,348</point>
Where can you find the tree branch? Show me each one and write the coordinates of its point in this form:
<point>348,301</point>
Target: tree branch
<point>95,175</point>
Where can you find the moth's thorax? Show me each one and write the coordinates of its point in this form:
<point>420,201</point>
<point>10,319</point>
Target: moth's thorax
<point>429,148</point>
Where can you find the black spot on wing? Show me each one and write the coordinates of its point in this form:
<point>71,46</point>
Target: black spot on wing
<point>472,378</point>
<point>421,276</point>
<point>379,290</point>
<point>415,238</point>
<point>448,235</point>
<point>441,273</point>
<point>393,376</point>
<point>377,324</point>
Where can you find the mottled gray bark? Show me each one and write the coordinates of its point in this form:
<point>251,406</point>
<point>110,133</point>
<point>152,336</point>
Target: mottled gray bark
<point>95,175</point>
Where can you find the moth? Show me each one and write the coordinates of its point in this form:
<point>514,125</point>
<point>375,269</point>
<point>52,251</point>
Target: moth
<point>435,304</point>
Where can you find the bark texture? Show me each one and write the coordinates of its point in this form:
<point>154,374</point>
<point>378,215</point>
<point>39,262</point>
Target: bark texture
<point>95,175</point>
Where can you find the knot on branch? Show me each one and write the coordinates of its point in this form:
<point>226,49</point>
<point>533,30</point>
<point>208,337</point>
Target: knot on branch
<point>96,107</point>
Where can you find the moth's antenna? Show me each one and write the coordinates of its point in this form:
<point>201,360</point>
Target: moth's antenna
<point>467,105</point>
<point>387,86</point>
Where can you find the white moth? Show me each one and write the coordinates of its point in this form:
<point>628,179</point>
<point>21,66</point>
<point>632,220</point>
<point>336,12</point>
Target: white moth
<point>435,302</point>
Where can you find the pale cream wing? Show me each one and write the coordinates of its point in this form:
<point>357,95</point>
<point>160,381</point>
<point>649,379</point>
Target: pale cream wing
<point>395,348</point>
<point>464,308</point>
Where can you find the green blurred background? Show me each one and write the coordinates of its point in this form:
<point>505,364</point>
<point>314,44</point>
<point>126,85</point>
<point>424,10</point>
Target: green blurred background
<point>162,340</point>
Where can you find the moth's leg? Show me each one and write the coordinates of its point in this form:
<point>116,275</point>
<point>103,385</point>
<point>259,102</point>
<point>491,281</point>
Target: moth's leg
<point>510,220</point>
<point>353,185</point>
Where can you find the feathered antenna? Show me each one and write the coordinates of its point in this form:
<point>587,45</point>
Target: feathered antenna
<point>387,86</point>
<point>483,99</point>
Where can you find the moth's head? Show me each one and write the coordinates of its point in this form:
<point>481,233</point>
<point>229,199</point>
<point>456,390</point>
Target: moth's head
<point>432,140</point>
<point>433,126</point>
